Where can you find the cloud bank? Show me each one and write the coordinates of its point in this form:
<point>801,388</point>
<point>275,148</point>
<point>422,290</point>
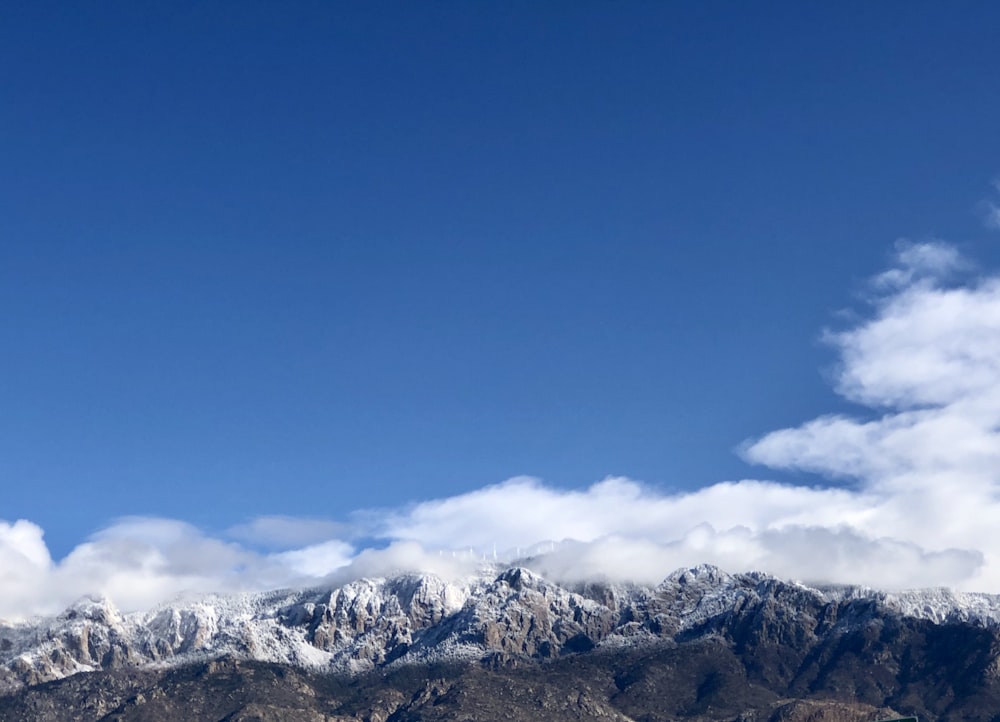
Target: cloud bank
<point>913,503</point>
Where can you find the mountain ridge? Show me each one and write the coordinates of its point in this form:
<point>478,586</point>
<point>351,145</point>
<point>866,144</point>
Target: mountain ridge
<point>421,618</point>
<point>704,645</point>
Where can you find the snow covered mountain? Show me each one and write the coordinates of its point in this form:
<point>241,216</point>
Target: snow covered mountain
<point>495,617</point>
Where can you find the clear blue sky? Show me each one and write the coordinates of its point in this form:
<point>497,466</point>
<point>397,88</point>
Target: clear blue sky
<point>304,258</point>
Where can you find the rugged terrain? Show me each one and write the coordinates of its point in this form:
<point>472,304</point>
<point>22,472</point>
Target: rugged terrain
<point>508,644</point>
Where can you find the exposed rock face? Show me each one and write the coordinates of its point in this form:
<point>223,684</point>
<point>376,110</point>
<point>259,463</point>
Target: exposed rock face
<point>703,645</point>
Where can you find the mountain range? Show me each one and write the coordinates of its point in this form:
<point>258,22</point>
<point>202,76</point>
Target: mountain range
<point>507,643</point>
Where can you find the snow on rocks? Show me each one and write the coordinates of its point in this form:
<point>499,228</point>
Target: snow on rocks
<point>415,619</point>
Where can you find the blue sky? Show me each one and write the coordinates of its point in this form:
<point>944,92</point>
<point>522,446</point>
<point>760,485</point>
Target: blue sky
<point>302,259</point>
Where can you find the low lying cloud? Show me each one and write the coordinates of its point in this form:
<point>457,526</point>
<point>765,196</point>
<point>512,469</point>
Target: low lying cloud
<point>138,562</point>
<point>910,493</point>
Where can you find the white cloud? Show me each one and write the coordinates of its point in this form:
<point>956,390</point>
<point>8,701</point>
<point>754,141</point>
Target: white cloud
<point>929,358</point>
<point>25,566</point>
<point>524,513</point>
<point>915,505</point>
<point>408,556</point>
<point>317,560</point>
<point>140,562</point>
<point>923,472</point>
<point>918,261</point>
<point>927,346</point>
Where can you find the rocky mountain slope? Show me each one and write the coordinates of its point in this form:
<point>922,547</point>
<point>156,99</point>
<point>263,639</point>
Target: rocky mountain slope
<point>508,644</point>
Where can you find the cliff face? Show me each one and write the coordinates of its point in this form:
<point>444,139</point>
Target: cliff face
<point>703,645</point>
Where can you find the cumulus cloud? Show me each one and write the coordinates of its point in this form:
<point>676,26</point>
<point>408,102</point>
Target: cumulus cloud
<point>25,565</point>
<point>928,361</point>
<point>907,494</point>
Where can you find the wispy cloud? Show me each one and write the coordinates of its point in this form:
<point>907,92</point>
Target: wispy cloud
<point>920,262</point>
<point>287,532</point>
<point>910,493</point>
<point>991,211</point>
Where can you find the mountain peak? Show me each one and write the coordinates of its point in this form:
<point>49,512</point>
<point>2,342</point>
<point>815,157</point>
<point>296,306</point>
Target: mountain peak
<point>699,574</point>
<point>95,608</point>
